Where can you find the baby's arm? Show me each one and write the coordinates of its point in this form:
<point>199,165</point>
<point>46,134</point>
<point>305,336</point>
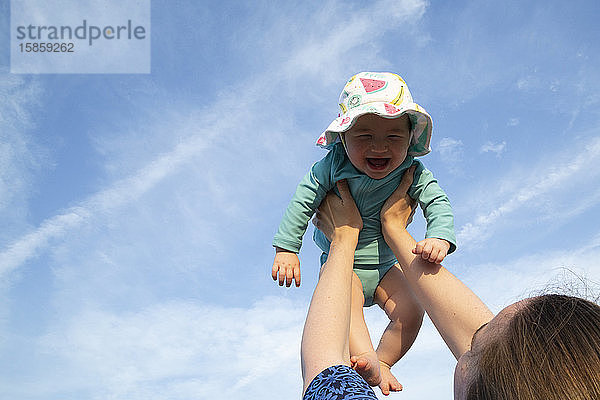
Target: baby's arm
<point>440,238</point>
<point>288,240</point>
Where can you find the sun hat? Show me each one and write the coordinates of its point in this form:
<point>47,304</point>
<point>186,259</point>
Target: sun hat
<point>384,94</point>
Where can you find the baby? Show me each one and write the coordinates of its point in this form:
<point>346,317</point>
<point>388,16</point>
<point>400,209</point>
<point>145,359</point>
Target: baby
<point>371,143</point>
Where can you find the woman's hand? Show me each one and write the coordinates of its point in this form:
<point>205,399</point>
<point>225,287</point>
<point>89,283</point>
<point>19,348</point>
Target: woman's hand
<point>337,216</point>
<point>399,208</point>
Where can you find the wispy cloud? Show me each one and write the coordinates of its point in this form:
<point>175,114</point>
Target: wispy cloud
<point>345,34</point>
<point>121,192</point>
<point>568,270</point>
<point>496,148</point>
<point>20,156</point>
<point>451,153</point>
<point>549,181</point>
<point>176,350</point>
<point>527,82</point>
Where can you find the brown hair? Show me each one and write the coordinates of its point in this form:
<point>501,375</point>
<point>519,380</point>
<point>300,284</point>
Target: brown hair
<point>550,349</point>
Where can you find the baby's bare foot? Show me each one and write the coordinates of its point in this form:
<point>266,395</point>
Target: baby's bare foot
<point>388,383</point>
<point>367,366</point>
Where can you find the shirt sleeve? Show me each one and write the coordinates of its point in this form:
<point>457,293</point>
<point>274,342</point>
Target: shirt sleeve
<point>311,190</point>
<point>435,205</point>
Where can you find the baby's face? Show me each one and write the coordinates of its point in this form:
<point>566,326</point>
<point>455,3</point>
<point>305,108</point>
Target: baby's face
<point>376,146</point>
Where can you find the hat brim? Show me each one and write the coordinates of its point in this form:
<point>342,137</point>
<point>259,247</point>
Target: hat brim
<point>420,120</point>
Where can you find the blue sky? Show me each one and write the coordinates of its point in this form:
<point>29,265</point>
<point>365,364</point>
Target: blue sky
<point>137,211</point>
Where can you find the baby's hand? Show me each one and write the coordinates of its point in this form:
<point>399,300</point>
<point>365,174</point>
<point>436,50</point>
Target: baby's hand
<point>432,249</point>
<point>288,266</point>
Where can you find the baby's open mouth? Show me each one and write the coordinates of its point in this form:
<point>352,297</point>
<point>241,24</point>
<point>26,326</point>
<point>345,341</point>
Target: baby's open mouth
<point>378,163</point>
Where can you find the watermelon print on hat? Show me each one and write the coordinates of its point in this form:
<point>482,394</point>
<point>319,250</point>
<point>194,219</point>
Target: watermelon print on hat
<point>391,109</point>
<point>373,85</point>
<point>384,94</point>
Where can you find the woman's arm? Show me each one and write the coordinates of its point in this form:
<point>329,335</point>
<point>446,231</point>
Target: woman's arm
<point>325,335</point>
<point>453,308</point>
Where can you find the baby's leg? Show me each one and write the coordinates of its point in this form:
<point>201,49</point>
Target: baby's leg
<point>394,296</point>
<point>362,355</point>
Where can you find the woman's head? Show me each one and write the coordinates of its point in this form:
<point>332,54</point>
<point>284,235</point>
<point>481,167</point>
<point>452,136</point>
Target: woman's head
<point>546,347</point>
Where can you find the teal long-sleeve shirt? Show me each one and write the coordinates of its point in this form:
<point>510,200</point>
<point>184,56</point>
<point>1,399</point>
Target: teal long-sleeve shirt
<point>369,195</point>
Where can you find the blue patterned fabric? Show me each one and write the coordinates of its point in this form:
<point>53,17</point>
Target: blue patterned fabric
<point>339,382</point>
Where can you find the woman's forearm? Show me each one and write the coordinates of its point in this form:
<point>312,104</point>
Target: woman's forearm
<point>453,308</point>
<point>325,336</point>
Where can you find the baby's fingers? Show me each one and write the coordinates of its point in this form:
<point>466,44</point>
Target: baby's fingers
<point>434,256</point>
<point>282,271</point>
<point>292,273</point>
<point>442,253</point>
<point>427,249</point>
<point>285,271</point>
<point>289,276</point>
<point>297,276</point>
<point>274,271</point>
<point>418,248</point>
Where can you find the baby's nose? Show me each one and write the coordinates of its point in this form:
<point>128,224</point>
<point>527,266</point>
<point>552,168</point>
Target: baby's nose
<point>379,145</point>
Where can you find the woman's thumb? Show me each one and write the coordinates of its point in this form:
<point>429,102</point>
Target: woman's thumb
<point>342,186</point>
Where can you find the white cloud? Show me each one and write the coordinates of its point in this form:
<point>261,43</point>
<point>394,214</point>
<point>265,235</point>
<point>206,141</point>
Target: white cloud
<point>513,122</point>
<point>349,36</point>
<point>450,148</point>
<point>525,83</point>
<point>28,245</point>
<point>496,148</point>
<point>551,182</point>
<point>573,271</point>
<point>177,350</point>
<point>121,192</point>
<point>20,156</point>
<point>451,153</point>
